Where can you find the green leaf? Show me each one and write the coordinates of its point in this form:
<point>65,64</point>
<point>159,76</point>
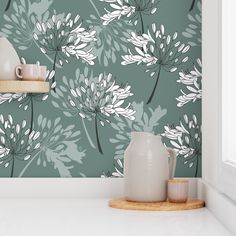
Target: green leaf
<point>55,104</point>
<point>67,114</point>
<point>40,119</point>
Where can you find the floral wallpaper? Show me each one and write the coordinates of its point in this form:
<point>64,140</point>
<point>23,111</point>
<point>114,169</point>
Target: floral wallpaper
<point>114,66</point>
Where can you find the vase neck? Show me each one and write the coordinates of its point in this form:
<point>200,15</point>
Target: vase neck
<point>145,137</point>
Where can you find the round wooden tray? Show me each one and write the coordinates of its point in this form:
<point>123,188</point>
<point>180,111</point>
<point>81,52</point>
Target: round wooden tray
<point>121,203</point>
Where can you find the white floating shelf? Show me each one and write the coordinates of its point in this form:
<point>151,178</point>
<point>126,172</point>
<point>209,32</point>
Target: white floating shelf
<point>19,86</point>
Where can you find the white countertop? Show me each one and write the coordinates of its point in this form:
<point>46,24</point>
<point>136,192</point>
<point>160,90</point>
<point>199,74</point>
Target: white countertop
<point>93,217</point>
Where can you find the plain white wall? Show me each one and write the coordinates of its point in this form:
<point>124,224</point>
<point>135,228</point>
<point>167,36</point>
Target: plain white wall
<point>211,89</point>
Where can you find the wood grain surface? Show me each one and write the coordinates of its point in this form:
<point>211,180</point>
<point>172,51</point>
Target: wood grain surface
<point>121,203</point>
<point>18,86</point>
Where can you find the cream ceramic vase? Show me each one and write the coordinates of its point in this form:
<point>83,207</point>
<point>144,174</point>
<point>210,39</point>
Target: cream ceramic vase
<point>148,165</point>
<point>8,60</point>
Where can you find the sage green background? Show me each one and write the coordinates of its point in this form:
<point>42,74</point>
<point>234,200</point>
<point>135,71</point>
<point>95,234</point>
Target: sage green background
<point>173,14</point>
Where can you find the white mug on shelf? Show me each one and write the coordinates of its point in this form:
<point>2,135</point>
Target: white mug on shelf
<point>28,71</point>
<point>42,73</point>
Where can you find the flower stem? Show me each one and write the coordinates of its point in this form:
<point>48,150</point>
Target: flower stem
<point>196,170</point>
<point>97,137</point>
<point>12,166</point>
<point>32,113</point>
<point>54,68</point>
<point>95,8</point>
<point>192,5</point>
<point>155,86</point>
<point>47,56</point>
<point>142,24</point>
<point>8,5</point>
<point>88,136</point>
<point>28,164</point>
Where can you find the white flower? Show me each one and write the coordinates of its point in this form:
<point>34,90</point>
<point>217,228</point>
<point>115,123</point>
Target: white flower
<point>73,38</point>
<point>4,151</point>
<point>115,109</point>
<point>142,58</point>
<point>84,35</point>
<point>192,80</point>
<point>102,95</point>
<point>131,9</point>
<point>66,36</point>
<point>158,51</point>
<point>99,99</point>
<point>158,48</point>
<point>122,11</point>
<point>118,169</point>
<point>8,97</point>
<point>139,40</point>
<point>186,98</point>
<point>119,10</point>
<point>185,151</point>
<point>79,53</point>
<point>172,134</point>
<point>16,141</point>
<point>186,140</point>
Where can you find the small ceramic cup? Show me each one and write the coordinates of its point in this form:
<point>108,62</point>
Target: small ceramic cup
<point>42,73</point>
<point>28,72</point>
<point>177,190</point>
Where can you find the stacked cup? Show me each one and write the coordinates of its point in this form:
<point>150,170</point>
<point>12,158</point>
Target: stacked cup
<point>178,190</point>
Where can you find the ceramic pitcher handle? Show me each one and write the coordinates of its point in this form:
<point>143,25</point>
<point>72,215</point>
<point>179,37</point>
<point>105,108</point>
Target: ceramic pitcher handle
<point>18,72</point>
<point>172,162</point>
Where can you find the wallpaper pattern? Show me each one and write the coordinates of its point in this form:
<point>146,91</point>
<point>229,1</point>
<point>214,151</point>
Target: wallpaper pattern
<point>114,66</point>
